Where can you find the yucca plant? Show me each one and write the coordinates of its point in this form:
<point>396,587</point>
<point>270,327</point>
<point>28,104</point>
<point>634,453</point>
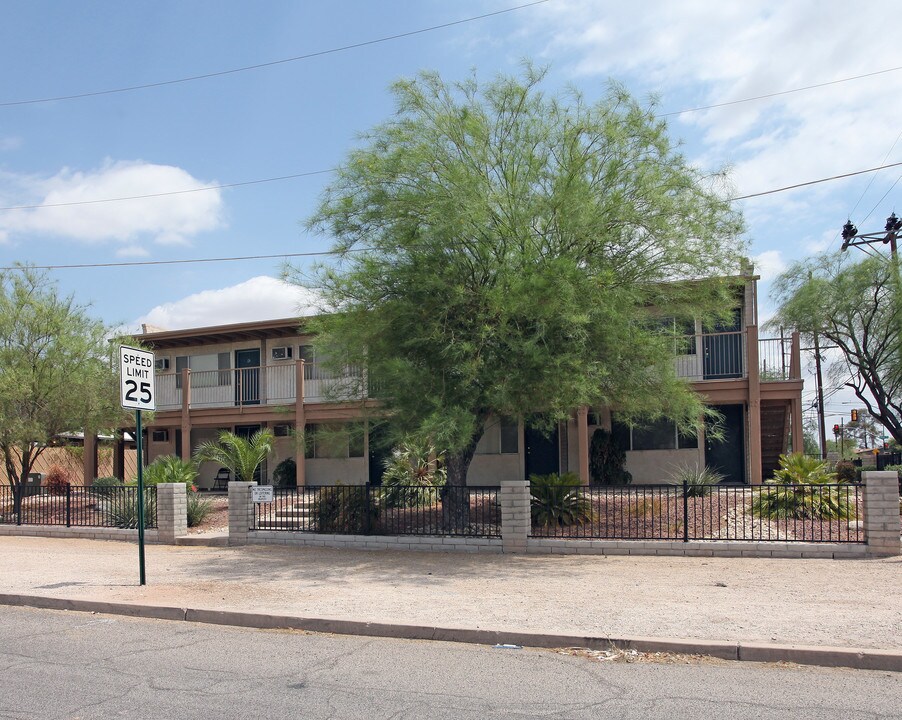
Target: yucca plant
<point>557,502</point>
<point>413,475</point>
<point>197,508</point>
<point>121,509</point>
<point>698,480</point>
<point>240,455</point>
<point>797,492</point>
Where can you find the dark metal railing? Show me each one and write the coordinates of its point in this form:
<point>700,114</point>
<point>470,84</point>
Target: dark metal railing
<point>77,506</point>
<point>763,513</point>
<point>369,510</point>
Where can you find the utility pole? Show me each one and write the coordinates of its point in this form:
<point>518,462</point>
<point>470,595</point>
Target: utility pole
<point>820,397</point>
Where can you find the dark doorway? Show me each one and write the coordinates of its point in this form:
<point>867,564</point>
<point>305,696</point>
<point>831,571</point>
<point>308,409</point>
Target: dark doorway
<point>722,349</point>
<point>247,377</point>
<point>379,452</point>
<point>542,451</point>
<point>727,456</point>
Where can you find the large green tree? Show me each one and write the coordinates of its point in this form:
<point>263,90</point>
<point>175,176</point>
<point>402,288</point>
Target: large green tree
<point>502,252</point>
<point>853,304</point>
<point>56,370</point>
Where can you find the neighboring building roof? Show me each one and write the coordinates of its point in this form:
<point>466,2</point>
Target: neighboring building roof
<point>261,330</point>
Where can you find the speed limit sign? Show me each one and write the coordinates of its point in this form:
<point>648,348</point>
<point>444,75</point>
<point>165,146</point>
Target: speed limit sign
<point>136,371</point>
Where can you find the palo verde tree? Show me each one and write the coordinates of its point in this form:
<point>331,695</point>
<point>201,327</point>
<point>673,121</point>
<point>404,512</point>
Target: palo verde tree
<point>501,252</point>
<point>854,305</point>
<point>56,370</point>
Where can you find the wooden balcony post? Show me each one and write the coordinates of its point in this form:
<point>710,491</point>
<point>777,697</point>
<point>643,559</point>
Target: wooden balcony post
<point>582,443</point>
<point>89,458</point>
<point>795,357</point>
<point>300,422</point>
<point>755,466</point>
<point>186,414</point>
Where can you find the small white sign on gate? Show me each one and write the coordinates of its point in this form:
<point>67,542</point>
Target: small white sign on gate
<point>262,493</point>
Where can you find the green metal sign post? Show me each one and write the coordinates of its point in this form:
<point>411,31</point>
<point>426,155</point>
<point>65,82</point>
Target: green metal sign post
<point>136,368</point>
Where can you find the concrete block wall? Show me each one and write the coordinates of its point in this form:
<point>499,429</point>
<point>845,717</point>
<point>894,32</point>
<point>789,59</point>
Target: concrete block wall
<point>241,512</point>
<point>172,512</point>
<point>516,519</point>
<point>881,512</point>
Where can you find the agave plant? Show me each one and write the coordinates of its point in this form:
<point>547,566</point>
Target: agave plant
<point>802,488</point>
<point>557,502</point>
<point>698,481</point>
<point>242,456</point>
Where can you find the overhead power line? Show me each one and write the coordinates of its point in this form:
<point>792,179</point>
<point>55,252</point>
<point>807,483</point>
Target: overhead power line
<point>283,61</point>
<point>815,182</point>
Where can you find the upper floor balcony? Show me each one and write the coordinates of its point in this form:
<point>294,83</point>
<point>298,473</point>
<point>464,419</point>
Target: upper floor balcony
<point>701,357</point>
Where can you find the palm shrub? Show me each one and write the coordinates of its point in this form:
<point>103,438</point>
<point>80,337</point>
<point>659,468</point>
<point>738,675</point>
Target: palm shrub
<point>557,502</point>
<point>413,475</point>
<point>242,456</point>
<point>800,489</point>
<point>171,469</point>
<point>698,480</point>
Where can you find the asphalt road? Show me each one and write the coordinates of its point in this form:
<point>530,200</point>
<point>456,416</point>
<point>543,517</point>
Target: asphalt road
<point>73,665</point>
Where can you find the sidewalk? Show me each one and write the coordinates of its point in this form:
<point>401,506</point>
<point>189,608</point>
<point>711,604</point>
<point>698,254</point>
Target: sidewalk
<point>839,603</point>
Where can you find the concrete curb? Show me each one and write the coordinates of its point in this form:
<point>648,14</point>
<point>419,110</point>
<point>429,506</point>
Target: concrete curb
<point>861,659</point>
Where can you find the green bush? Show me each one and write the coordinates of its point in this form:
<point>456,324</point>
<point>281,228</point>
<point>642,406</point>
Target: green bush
<point>557,502</point>
<point>797,492</point>
<point>845,471</point>
<point>344,509</point>
<point>198,508</point>
<point>698,481</point>
<point>171,469</point>
<point>105,486</point>
<point>121,509</point>
<point>413,475</point>
<point>607,459</point>
<point>286,474</point>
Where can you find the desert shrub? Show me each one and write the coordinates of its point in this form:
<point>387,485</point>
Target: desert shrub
<point>698,480</point>
<point>845,471</point>
<point>198,508</point>
<point>344,509</point>
<point>799,491</point>
<point>171,469</point>
<point>105,486</point>
<point>286,474</point>
<point>413,475</point>
<point>556,501</point>
<point>607,460</point>
<point>121,510</point>
<point>58,480</point>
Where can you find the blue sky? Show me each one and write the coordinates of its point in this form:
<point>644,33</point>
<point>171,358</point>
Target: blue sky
<point>302,116</point>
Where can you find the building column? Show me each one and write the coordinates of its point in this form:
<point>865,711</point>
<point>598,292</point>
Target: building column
<point>300,423</point>
<point>89,457</point>
<point>186,414</point>
<point>755,467</point>
<point>582,443</point>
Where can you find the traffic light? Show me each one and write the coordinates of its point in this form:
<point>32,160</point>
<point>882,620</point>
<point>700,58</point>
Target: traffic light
<point>836,430</point>
<point>854,416</point>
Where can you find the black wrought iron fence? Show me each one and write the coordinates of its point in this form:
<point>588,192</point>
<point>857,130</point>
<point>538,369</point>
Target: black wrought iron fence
<point>77,506</point>
<point>369,510</point>
<point>763,513</point>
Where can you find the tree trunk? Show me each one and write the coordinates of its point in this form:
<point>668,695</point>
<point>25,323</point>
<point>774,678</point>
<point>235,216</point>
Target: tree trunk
<point>455,500</point>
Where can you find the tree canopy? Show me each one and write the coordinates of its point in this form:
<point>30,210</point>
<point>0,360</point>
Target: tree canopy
<point>503,252</point>
<point>855,305</point>
<point>56,369</point>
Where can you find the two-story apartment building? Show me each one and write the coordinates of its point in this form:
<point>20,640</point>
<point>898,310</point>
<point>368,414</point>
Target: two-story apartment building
<point>246,376</point>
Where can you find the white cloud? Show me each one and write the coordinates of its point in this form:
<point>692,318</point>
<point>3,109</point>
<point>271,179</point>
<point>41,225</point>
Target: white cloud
<point>769,264</point>
<point>10,142</point>
<point>260,298</point>
<point>166,219</point>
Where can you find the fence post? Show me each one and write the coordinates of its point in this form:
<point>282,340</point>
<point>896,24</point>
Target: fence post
<point>172,512</point>
<point>881,512</point>
<point>68,505</point>
<point>686,511</point>
<point>241,511</point>
<point>515,516</point>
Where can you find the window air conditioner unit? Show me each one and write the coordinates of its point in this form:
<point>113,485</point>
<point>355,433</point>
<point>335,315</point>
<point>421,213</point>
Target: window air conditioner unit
<point>161,363</point>
<point>281,430</point>
<point>160,436</point>
<point>281,353</point>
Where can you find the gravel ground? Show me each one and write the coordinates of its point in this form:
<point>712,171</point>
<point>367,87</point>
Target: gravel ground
<point>851,603</point>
